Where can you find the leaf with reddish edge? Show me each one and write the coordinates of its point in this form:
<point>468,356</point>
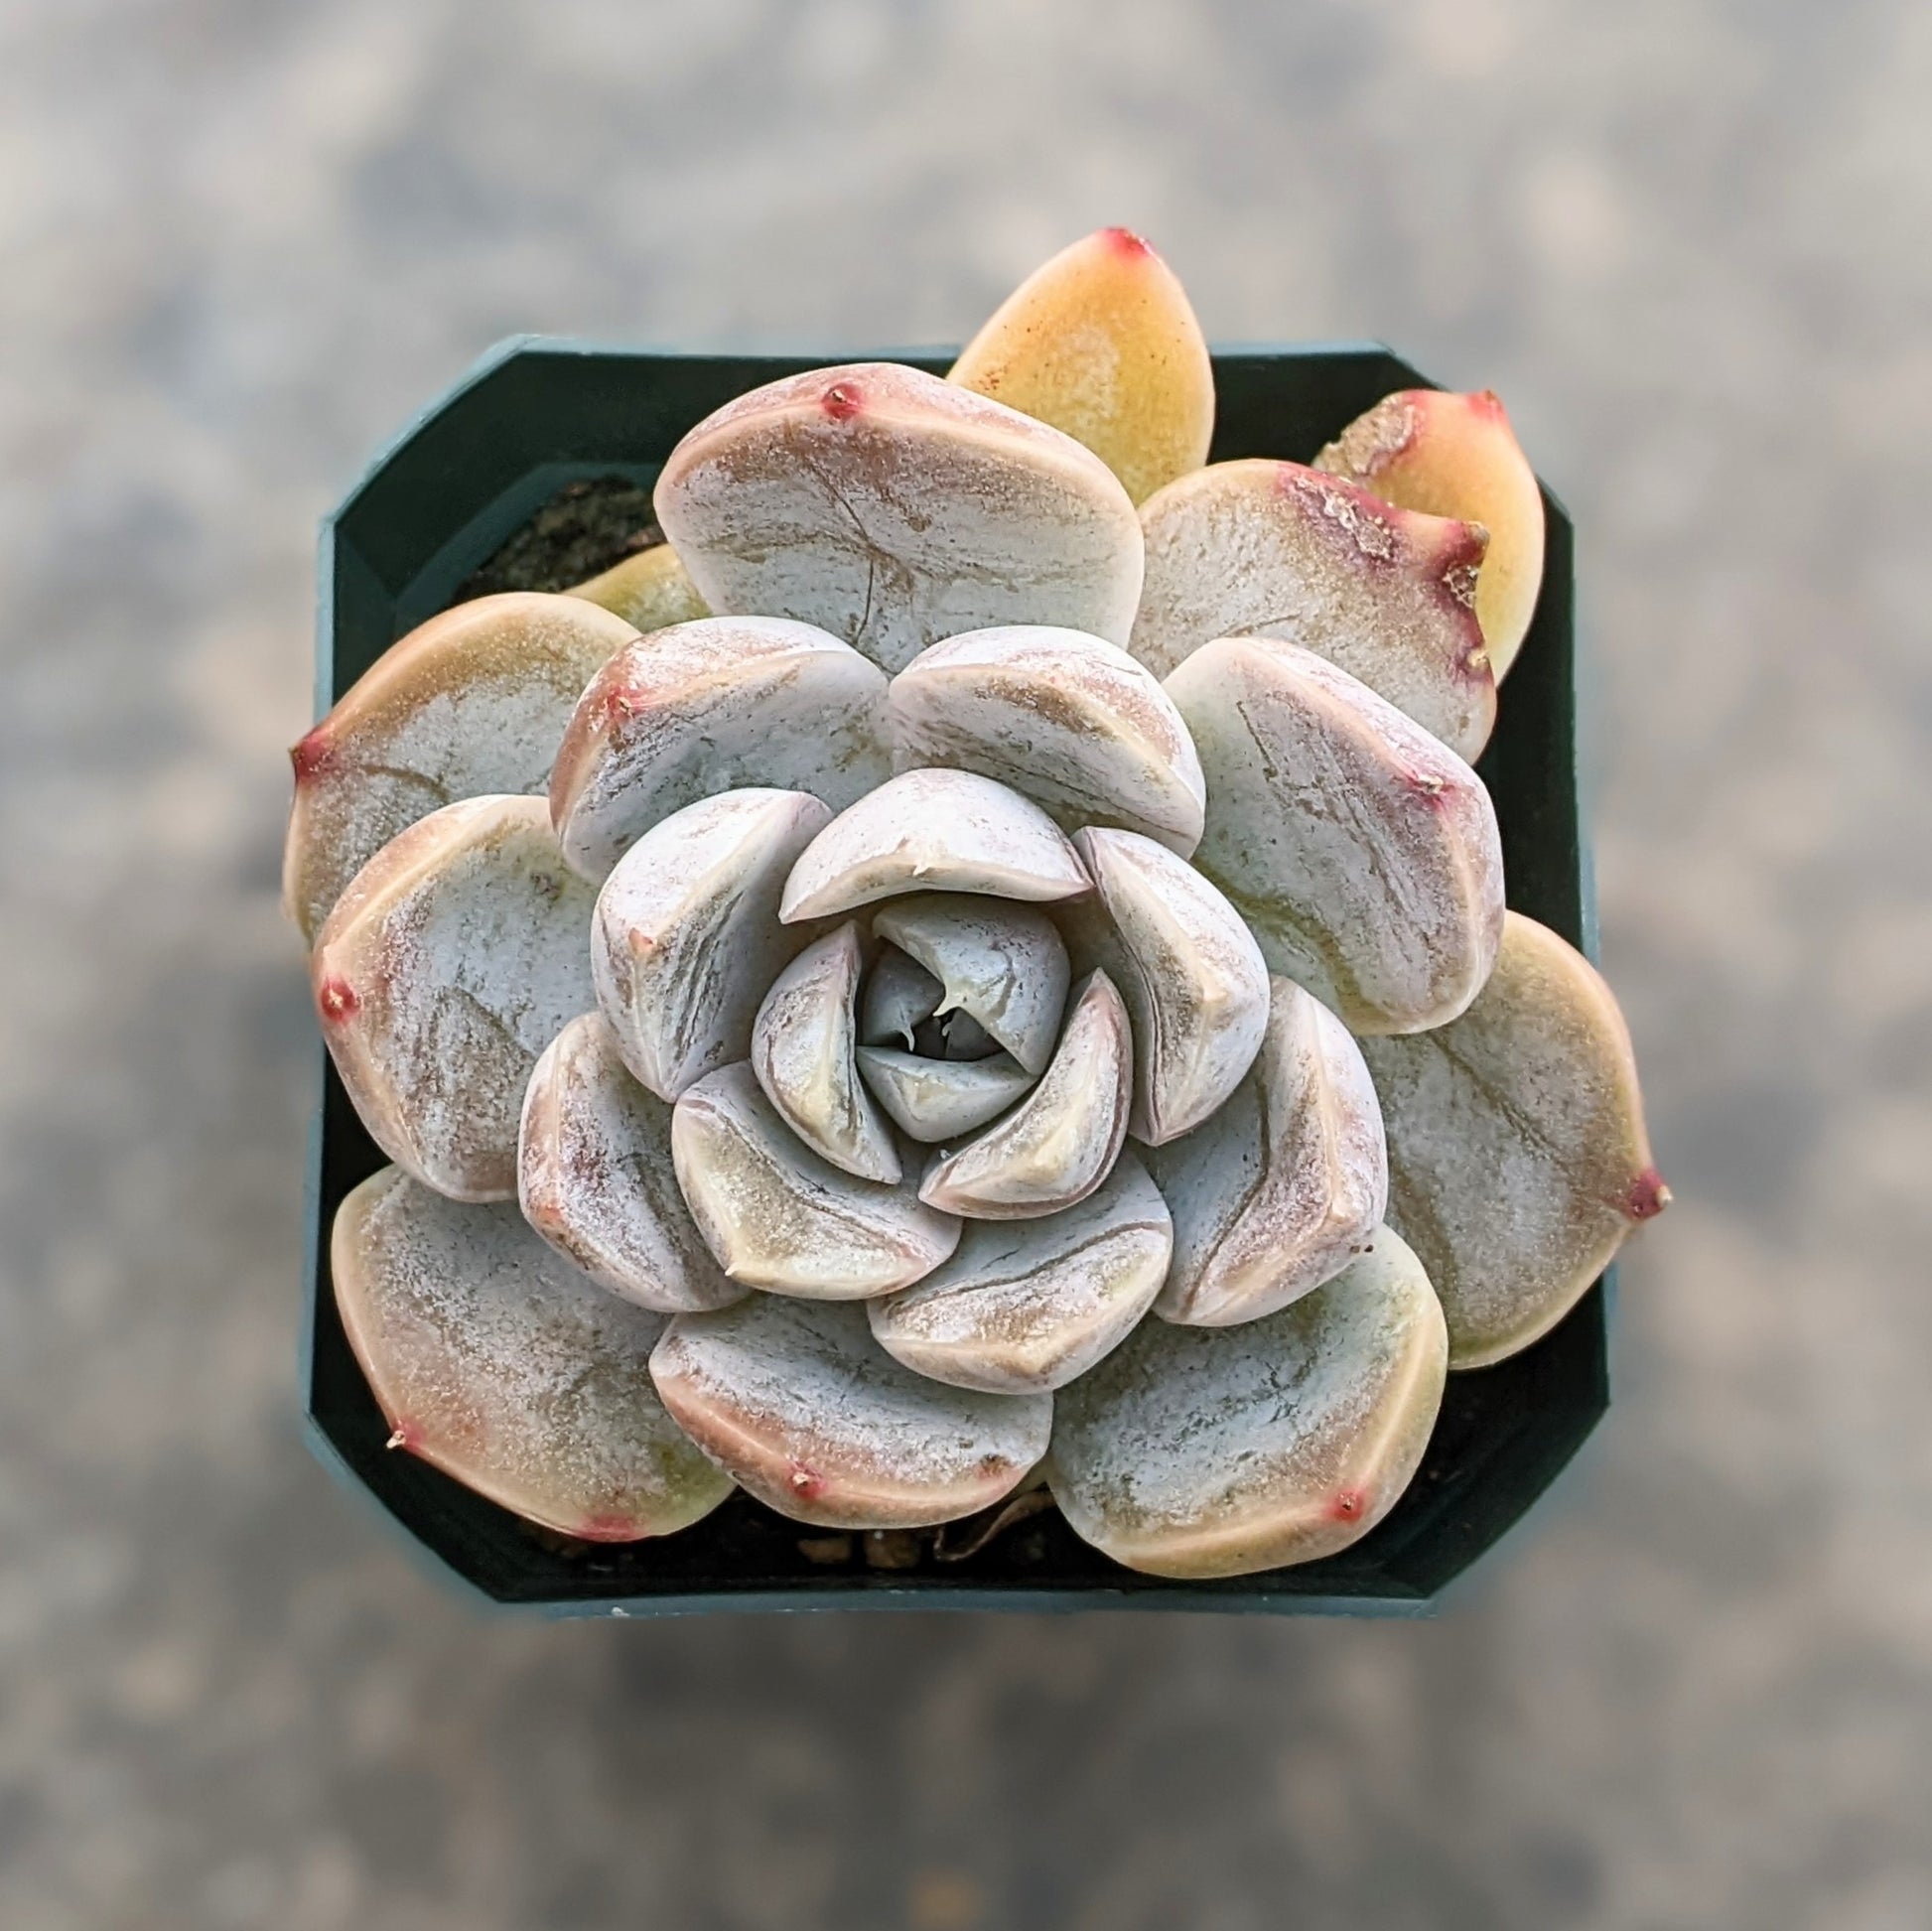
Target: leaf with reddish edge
<point>1195,1451</point>
<point>704,708</point>
<point>496,1361</point>
<point>1102,342</point>
<point>1456,455</point>
<point>468,705</point>
<point>1518,1159</point>
<point>893,509</point>
<point>797,1403</point>
<point>456,954</point>
<point>1362,853</point>
<point>1272,549</point>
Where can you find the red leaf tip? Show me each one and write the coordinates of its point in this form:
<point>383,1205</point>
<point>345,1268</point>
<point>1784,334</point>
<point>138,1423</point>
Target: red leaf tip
<point>311,755</point>
<point>337,1000</point>
<point>1648,1195</point>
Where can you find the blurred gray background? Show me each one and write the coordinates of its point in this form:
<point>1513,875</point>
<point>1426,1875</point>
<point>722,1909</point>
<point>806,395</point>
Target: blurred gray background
<point>242,240</point>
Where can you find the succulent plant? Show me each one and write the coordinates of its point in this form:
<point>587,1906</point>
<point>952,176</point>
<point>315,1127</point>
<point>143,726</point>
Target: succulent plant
<point>991,865</point>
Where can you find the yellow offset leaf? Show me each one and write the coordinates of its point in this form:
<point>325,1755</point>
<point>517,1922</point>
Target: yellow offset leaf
<point>650,591</point>
<point>1102,343</point>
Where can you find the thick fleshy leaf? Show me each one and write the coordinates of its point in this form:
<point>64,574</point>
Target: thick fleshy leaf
<point>469,704</point>
<point>1003,965</point>
<point>935,831</point>
<point>1029,1304</point>
<point>651,590</point>
<point>1286,1183</point>
<point>1456,456</point>
<point>456,954</point>
<point>703,708</point>
<point>1070,721</point>
<point>687,935</point>
<point>1517,1152</point>
<point>941,1099</point>
<point>1272,549</point>
<point>1362,853</point>
<point>797,1403</point>
<point>802,1051</point>
<point>1192,976</point>
<point>496,1361</point>
<point>1102,342</point>
<point>893,509</point>
<point>781,1217</point>
<point>1222,1450</point>
<point>900,996</point>
<point>595,1178</point>
<point>1058,1145</point>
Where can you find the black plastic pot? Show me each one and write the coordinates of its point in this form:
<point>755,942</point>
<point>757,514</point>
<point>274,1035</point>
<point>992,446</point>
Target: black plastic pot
<point>537,414</point>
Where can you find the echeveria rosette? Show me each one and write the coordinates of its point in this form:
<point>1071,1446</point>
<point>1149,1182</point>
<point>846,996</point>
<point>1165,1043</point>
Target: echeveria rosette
<point>914,1014</point>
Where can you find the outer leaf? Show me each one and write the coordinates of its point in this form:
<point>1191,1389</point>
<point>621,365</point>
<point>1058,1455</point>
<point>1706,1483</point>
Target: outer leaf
<point>795,1401</point>
<point>1517,1149</point>
<point>1363,854</point>
<point>469,704</point>
<point>1456,456</point>
<point>1222,1450</point>
<point>1101,341</point>
<point>454,958</point>
<point>651,590</point>
<point>1272,549</point>
<point>895,509</point>
<point>496,1361</point>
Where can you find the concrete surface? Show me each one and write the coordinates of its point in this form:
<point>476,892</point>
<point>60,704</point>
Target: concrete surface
<point>1686,240</point>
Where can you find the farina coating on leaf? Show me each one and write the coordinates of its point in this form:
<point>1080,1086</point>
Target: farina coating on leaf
<point>1517,1151</point>
<point>595,1176</point>
<point>496,1360</point>
<point>454,958</point>
<point>797,1401</point>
